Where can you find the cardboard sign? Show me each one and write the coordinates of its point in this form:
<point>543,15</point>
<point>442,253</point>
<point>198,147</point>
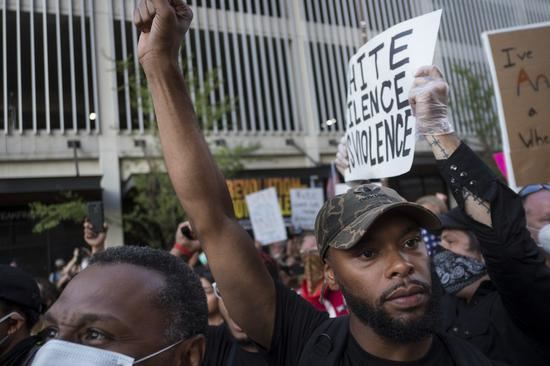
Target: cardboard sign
<point>381,132</point>
<point>265,216</point>
<point>306,203</point>
<point>520,65</point>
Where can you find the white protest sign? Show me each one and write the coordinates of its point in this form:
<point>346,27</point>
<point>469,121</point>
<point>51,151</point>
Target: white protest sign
<point>381,131</point>
<point>265,216</point>
<point>305,203</point>
<point>341,188</point>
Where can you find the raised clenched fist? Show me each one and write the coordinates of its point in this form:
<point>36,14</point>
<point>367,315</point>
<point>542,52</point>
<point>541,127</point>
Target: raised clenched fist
<point>163,24</point>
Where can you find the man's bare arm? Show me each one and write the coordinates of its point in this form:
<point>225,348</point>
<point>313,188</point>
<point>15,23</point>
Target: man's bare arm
<point>245,284</point>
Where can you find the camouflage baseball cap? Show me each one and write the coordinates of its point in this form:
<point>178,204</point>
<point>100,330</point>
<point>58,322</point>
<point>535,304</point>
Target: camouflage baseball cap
<point>345,219</point>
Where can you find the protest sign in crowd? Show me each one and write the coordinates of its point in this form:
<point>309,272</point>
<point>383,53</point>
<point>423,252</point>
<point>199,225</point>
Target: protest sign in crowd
<point>372,279</point>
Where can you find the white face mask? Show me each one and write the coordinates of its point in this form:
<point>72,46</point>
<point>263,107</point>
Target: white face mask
<point>62,353</point>
<point>543,237</point>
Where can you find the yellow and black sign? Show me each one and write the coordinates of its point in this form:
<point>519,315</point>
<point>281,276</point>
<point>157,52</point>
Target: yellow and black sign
<point>239,188</point>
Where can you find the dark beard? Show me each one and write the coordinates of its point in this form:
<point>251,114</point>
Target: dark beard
<point>394,329</point>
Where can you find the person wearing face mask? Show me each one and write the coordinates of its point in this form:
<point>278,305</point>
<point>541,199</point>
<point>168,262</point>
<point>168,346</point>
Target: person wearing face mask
<point>19,312</point>
<point>536,202</point>
<point>505,315</point>
<point>458,262</point>
<point>475,309</point>
<point>131,305</point>
<point>369,237</point>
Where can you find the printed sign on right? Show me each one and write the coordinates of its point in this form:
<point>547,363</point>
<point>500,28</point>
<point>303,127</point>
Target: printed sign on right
<point>520,65</point>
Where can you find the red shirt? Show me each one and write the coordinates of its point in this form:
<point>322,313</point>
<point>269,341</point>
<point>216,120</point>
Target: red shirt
<point>333,301</point>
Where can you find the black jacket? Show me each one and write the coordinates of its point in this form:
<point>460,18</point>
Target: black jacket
<point>508,318</point>
<point>485,323</point>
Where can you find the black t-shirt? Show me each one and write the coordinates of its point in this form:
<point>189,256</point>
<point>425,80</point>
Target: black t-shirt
<point>222,350</point>
<point>296,321</point>
<point>436,356</point>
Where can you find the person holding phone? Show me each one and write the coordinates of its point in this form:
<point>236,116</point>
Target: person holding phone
<point>369,238</point>
<point>95,239</point>
<point>81,256</point>
<point>186,246</point>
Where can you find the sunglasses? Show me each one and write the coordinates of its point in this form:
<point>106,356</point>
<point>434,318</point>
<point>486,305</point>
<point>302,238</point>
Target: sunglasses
<point>533,188</point>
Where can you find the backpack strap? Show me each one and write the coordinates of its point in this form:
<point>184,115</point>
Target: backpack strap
<point>327,343</point>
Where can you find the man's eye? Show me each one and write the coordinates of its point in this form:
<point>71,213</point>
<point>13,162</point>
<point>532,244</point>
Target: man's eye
<point>94,335</point>
<point>368,254</point>
<point>50,333</point>
<point>412,243</point>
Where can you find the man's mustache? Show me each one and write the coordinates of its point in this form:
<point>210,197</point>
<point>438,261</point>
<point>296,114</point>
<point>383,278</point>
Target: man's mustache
<point>404,284</point>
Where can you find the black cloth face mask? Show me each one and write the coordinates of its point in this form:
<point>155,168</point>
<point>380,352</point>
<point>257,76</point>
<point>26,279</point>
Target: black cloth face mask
<point>457,271</point>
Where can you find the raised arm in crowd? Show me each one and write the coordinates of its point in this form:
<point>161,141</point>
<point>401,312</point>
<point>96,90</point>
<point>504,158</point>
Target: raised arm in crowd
<point>368,238</point>
<point>495,214</point>
<point>244,282</point>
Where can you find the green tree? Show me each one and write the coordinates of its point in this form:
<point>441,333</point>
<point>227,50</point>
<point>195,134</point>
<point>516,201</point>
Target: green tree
<point>478,99</point>
<point>152,211</point>
<point>48,216</point>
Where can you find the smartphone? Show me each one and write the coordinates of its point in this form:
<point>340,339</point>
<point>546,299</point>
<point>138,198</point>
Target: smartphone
<point>95,215</point>
<point>186,231</point>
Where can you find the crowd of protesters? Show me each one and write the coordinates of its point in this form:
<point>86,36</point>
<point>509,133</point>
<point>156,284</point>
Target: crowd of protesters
<point>381,281</point>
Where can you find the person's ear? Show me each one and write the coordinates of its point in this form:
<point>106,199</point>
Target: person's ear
<point>192,351</point>
<point>16,322</point>
<point>480,257</point>
<point>330,278</point>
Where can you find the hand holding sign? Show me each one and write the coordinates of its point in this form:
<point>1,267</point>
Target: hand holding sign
<point>428,98</point>
<point>341,161</point>
<point>381,130</point>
